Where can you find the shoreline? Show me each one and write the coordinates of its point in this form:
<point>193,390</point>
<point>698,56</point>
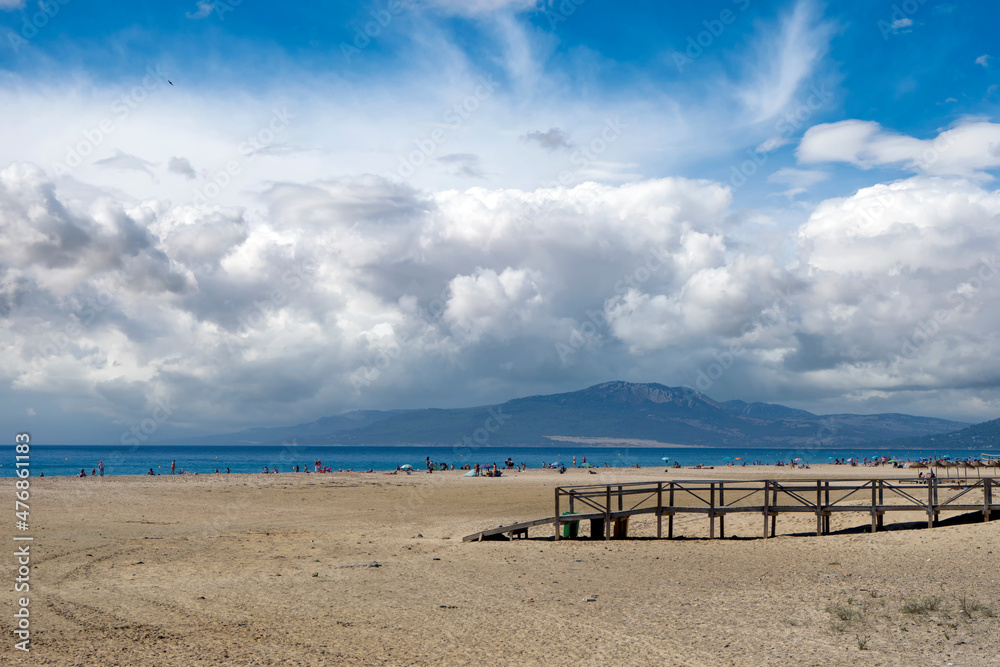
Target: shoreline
<point>740,471</point>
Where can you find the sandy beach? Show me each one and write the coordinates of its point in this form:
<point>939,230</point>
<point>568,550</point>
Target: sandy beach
<point>370,569</point>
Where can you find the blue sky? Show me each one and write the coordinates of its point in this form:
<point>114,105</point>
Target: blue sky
<point>783,201</point>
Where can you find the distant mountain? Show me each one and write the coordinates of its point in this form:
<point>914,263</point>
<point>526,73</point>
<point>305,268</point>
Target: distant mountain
<point>984,437</point>
<point>316,430</point>
<point>605,412</point>
<point>767,411</point>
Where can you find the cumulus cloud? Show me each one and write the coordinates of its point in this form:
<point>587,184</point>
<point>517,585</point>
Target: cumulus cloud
<point>490,304</point>
<point>355,291</point>
<point>983,60</point>
<point>967,149</point>
<point>58,245</point>
<point>193,299</point>
<point>900,278</point>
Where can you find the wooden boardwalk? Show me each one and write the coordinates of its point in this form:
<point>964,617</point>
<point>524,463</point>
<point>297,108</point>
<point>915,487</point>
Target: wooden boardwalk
<point>608,506</point>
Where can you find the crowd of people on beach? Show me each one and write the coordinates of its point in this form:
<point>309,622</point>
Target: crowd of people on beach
<point>493,470</point>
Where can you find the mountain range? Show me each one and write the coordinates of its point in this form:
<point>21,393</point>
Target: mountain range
<point>615,412</point>
<point>983,438</point>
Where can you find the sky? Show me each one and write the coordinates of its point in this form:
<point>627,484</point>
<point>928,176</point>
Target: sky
<point>223,214</point>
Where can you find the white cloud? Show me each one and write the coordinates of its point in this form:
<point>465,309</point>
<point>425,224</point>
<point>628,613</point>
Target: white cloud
<point>487,303</point>
<point>284,308</point>
<point>124,161</point>
<point>798,180</point>
<point>967,149</point>
<point>772,144</point>
<point>785,61</point>
<point>205,9</point>
<point>553,139</point>
<point>900,281</point>
<point>983,60</point>
<point>182,166</point>
<point>480,7</point>
<point>11,5</point>
<point>336,272</point>
<point>899,24</point>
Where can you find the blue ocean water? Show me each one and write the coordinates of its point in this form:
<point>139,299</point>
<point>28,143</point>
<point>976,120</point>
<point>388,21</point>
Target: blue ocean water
<point>55,460</point>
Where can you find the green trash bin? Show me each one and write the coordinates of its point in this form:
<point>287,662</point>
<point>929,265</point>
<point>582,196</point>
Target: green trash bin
<point>572,528</point>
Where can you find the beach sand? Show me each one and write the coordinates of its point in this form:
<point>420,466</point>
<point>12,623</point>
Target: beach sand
<point>370,569</point>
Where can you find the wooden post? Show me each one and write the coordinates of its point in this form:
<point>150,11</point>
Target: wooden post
<point>987,498</point>
<point>620,506</point>
<point>819,505</point>
<point>722,515</point>
<point>659,510</point>
<point>557,515</point>
<point>767,488</point>
<point>711,513</point>
<point>774,514</point>
<point>670,519</point>
<point>874,505</point>
<point>930,502</point>
<point>826,516</point>
<point>607,515</point>
<point>881,503</point>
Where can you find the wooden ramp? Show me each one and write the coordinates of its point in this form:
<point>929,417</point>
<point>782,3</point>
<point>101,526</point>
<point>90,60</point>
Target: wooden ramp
<point>511,532</point>
<point>608,506</point>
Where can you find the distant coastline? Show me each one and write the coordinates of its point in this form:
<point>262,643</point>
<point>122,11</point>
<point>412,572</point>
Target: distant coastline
<point>628,442</point>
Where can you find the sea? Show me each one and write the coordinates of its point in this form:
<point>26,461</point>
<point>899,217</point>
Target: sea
<point>69,460</point>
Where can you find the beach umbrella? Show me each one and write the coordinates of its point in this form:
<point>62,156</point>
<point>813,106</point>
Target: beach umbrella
<point>798,459</point>
<point>665,458</point>
<point>738,458</point>
<point>406,467</point>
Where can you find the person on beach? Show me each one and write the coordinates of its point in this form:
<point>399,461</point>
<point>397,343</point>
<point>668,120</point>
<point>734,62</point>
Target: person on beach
<point>173,467</point>
<point>100,468</point>
<point>227,471</point>
<point>151,472</point>
<point>83,473</point>
<point>93,472</point>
